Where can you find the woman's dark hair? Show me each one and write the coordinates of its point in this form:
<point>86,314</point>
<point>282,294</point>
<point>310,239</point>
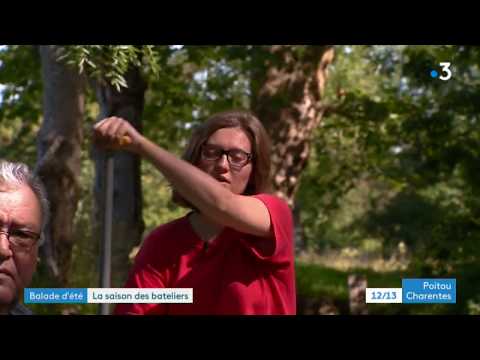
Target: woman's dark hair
<point>260,177</point>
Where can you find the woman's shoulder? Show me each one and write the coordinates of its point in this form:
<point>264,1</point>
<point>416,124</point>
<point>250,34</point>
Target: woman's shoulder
<point>277,207</point>
<point>272,200</point>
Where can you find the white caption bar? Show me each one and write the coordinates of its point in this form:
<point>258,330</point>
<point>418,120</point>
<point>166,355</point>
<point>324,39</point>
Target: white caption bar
<point>134,295</point>
<point>383,295</point>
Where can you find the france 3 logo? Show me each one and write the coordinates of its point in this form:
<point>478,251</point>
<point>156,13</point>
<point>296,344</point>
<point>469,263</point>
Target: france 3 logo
<point>445,72</point>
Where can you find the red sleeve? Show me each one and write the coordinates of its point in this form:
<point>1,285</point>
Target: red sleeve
<point>279,247</point>
<point>144,275</point>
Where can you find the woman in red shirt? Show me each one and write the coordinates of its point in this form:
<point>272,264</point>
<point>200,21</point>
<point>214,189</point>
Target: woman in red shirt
<point>235,249</point>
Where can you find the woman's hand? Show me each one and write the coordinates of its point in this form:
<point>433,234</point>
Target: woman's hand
<point>115,133</point>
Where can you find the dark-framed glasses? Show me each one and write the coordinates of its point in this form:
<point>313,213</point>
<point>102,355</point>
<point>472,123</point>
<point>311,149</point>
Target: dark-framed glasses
<point>19,239</point>
<point>236,157</point>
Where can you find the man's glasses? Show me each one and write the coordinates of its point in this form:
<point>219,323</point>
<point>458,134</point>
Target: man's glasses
<point>236,157</point>
<point>22,240</point>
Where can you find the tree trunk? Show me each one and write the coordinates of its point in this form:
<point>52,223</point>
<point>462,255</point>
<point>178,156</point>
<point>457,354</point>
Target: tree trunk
<point>287,90</point>
<point>128,223</point>
<point>59,146</point>
<point>357,289</point>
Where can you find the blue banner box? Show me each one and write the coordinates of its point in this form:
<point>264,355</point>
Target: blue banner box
<point>55,296</point>
<point>429,291</point>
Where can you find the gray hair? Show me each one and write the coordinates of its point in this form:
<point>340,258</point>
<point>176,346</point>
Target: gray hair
<point>16,174</point>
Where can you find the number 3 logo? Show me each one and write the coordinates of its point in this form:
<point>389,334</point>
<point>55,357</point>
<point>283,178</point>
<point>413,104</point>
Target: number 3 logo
<point>446,70</point>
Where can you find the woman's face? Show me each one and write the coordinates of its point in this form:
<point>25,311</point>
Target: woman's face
<point>231,175</point>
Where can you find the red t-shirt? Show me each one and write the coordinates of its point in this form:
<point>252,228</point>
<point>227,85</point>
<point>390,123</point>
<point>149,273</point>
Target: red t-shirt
<point>234,275</point>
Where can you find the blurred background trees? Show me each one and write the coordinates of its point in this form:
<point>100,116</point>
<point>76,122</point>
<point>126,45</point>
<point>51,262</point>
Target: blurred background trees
<point>378,160</point>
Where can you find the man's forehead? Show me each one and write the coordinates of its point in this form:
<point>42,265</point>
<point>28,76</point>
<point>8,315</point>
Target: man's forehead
<point>14,192</point>
<point>5,187</point>
<point>21,203</point>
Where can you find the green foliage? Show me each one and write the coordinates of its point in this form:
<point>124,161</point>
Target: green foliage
<point>394,124</point>
<point>111,62</point>
<point>396,161</point>
<point>195,82</point>
<point>20,102</point>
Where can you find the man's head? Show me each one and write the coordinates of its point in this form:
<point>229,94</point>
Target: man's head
<point>23,216</point>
